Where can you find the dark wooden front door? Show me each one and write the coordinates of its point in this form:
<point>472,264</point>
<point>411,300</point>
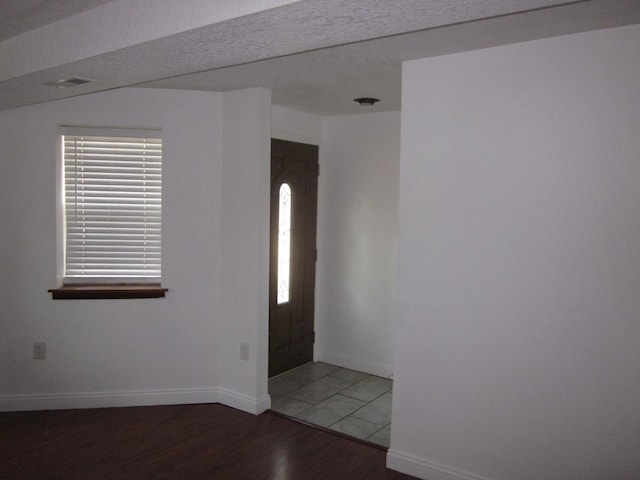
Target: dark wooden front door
<point>294,191</point>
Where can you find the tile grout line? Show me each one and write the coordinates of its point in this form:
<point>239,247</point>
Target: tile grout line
<point>363,406</point>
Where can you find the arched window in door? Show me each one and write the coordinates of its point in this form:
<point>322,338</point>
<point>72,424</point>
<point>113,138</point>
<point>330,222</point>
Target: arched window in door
<point>284,243</point>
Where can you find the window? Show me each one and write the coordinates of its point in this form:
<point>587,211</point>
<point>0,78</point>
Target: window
<point>284,243</point>
<point>112,215</point>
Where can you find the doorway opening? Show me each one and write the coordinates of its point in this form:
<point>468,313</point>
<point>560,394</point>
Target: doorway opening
<point>344,389</point>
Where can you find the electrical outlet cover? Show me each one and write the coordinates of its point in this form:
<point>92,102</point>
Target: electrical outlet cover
<point>244,351</point>
<point>39,351</point>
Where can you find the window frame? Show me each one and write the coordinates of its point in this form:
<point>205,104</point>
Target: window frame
<point>98,287</point>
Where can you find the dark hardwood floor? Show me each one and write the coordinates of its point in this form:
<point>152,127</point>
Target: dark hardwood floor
<point>178,442</point>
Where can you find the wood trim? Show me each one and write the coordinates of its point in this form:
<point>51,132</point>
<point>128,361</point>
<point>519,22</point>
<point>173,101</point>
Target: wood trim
<point>106,292</point>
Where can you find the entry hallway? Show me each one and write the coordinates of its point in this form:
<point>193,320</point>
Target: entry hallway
<point>185,442</point>
<point>347,401</point>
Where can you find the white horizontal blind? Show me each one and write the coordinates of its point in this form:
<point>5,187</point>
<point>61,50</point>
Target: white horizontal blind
<point>113,209</point>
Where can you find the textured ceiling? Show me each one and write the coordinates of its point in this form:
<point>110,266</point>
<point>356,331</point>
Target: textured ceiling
<point>326,81</point>
<point>316,55</point>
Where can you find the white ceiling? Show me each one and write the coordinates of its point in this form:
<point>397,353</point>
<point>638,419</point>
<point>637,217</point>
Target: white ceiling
<point>316,55</point>
<point>19,16</point>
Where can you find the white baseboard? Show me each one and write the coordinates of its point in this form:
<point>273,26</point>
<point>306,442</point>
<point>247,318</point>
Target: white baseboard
<point>9,403</point>
<point>346,361</point>
<point>421,468</point>
<point>243,402</point>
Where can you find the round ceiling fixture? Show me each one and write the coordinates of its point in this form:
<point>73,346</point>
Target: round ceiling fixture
<point>368,101</point>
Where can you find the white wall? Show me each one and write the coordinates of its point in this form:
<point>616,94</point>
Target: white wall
<point>185,347</point>
<point>123,352</point>
<point>517,354</point>
<point>357,232</point>
<point>244,309</point>
<point>296,126</point>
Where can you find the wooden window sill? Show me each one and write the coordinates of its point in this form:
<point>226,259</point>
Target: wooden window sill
<point>102,292</point>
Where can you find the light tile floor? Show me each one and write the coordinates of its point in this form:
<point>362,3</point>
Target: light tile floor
<point>348,401</point>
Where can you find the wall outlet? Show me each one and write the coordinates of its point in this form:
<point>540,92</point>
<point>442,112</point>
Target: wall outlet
<point>244,351</point>
<point>39,350</point>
